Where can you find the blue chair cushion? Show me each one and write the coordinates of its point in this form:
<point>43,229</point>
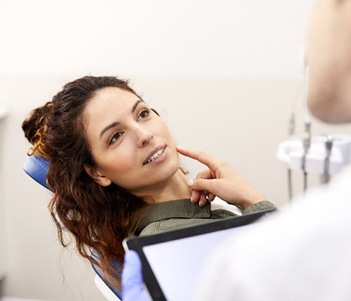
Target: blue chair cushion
<point>37,167</point>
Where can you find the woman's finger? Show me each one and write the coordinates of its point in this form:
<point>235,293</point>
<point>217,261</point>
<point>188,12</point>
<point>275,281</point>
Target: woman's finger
<point>195,196</point>
<point>202,157</point>
<point>211,197</point>
<point>203,199</point>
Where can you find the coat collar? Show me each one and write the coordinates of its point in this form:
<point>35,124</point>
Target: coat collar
<point>182,208</point>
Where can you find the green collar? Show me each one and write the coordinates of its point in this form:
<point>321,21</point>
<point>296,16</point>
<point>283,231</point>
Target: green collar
<point>183,208</point>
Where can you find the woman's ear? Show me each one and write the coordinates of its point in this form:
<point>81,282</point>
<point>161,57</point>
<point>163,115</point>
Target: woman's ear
<point>97,176</point>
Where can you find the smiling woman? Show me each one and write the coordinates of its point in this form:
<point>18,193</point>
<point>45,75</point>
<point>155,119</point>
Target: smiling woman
<point>132,146</point>
<point>114,170</point>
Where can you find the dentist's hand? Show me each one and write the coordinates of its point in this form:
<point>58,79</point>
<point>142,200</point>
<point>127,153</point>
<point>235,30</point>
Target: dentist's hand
<point>132,279</point>
<point>220,179</point>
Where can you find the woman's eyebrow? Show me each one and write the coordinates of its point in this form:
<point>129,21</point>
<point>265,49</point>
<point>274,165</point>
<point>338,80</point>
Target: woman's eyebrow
<point>136,105</point>
<point>113,124</point>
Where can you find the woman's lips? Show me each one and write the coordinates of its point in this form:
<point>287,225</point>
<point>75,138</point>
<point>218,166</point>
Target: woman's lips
<point>156,153</point>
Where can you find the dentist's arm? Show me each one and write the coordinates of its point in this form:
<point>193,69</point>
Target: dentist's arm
<point>222,180</point>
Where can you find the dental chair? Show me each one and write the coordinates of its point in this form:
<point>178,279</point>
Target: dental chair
<point>36,167</point>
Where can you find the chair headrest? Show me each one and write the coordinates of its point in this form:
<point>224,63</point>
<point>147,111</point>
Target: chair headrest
<point>37,167</point>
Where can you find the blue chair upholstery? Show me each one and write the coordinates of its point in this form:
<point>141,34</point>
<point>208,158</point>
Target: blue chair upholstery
<point>99,272</point>
<point>36,167</point>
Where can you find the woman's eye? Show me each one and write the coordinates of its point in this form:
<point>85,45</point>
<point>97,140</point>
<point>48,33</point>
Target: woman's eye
<point>115,137</point>
<point>144,113</point>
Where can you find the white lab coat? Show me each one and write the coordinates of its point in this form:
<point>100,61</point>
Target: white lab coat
<point>302,253</point>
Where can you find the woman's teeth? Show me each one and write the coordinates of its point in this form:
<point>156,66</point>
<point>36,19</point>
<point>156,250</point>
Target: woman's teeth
<point>154,156</point>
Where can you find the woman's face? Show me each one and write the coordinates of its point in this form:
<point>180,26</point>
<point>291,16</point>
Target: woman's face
<point>131,145</point>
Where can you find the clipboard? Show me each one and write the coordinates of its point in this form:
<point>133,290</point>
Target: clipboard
<point>172,261</point>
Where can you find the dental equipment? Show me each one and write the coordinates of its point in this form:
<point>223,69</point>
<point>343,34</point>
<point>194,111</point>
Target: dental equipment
<point>307,127</point>
<point>291,134</point>
<point>324,155</point>
<point>328,148</point>
<point>306,147</point>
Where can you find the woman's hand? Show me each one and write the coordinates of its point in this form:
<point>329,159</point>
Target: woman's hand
<point>222,180</point>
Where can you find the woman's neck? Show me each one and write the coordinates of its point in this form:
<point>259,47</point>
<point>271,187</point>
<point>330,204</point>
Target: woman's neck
<point>173,188</point>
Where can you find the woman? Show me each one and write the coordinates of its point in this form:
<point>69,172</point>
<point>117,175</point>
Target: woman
<point>114,170</point>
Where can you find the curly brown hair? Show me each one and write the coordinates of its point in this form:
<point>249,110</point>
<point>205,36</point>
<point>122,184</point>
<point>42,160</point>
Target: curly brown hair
<point>99,218</point>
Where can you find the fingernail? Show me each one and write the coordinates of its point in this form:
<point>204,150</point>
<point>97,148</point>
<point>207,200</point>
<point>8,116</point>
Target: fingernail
<point>192,197</point>
<point>190,182</point>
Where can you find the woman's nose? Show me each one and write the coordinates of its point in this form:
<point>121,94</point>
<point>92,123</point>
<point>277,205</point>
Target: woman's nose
<point>143,136</point>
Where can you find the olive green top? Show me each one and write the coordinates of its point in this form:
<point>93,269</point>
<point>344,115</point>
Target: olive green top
<point>182,213</point>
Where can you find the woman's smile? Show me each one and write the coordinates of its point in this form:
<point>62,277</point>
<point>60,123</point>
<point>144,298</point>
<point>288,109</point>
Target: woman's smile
<point>157,155</point>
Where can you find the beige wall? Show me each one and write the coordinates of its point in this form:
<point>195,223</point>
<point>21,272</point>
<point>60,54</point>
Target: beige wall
<point>239,120</point>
